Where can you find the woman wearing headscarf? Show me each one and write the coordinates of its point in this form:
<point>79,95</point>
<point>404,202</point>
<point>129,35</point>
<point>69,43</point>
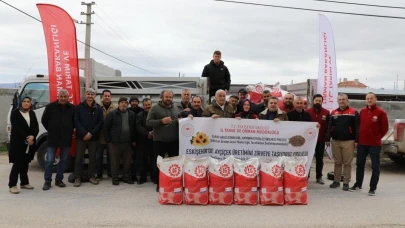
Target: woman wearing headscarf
<point>246,112</point>
<point>24,129</point>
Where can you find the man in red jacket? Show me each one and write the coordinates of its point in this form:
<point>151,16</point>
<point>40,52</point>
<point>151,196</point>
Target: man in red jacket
<point>320,115</point>
<point>373,127</point>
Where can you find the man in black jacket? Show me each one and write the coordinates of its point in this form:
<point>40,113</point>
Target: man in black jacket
<point>343,129</point>
<point>145,142</point>
<point>119,133</point>
<point>263,105</point>
<point>88,123</point>
<point>298,114</point>
<point>218,75</point>
<point>58,120</point>
<point>134,102</point>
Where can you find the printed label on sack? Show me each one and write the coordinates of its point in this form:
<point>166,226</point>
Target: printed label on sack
<point>228,189</point>
<point>288,190</point>
<point>203,189</point>
<point>264,190</point>
<point>254,189</point>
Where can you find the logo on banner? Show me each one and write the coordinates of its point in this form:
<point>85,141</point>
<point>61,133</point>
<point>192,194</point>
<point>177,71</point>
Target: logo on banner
<point>259,88</point>
<point>187,130</point>
<point>174,170</point>
<point>310,134</point>
<point>250,171</point>
<point>276,170</point>
<point>225,170</point>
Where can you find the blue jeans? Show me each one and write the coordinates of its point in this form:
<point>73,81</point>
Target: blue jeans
<point>50,160</point>
<point>362,152</point>
<point>100,159</point>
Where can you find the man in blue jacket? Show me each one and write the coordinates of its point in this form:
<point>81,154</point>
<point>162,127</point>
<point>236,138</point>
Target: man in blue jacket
<point>88,123</point>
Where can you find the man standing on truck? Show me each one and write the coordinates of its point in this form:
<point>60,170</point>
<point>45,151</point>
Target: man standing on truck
<point>163,117</point>
<point>343,129</point>
<point>88,122</point>
<point>320,115</point>
<point>219,107</point>
<point>145,142</point>
<point>107,107</point>
<point>373,127</point>
<point>218,75</point>
<point>119,133</point>
<point>58,120</point>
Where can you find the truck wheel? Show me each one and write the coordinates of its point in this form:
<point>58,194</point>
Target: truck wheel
<point>397,158</point>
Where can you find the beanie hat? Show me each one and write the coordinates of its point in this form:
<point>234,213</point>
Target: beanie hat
<point>122,99</point>
<point>133,99</point>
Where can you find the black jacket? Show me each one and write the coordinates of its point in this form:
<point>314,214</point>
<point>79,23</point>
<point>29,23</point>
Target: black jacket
<point>88,119</point>
<point>136,110</point>
<point>59,122</point>
<point>257,109</point>
<point>343,125</point>
<point>142,130</point>
<point>219,76</point>
<point>19,133</point>
<point>299,116</point>
<point>113,125</point>
<point>195,113</point>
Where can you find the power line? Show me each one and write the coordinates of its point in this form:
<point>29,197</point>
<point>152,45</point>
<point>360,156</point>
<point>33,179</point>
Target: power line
<point>361,4</point>
<point>307,9</point>
<point>82,41</point>
<point>136,47</point>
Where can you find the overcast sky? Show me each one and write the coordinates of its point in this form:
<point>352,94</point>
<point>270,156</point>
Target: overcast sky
<point>258,44</point>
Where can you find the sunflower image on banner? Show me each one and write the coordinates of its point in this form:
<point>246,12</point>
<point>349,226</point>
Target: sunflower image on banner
<point>200,139</point>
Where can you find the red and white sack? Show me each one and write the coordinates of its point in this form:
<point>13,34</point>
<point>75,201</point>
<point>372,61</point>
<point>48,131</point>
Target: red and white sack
<point>271,181</point>
<point>221,181</point>
<point>245,184</point>
<point>170,180</point>
<point>196,181</point>
<point>295,180</point>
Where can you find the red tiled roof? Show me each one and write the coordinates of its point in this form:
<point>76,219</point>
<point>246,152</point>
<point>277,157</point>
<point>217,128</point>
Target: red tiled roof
<point>352,84</point>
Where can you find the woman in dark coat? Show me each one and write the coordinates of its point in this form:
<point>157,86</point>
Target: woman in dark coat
<point>246,112</point>
<point>24,130</point>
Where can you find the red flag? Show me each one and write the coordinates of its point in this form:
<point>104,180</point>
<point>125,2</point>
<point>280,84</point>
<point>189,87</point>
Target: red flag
<point>63,63</point>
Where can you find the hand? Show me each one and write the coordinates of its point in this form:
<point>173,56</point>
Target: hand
<point>150,135</point>
<point>190,117</point>
<point>186,110</point>
<point>87,136</point>
<point>238,118</point>
<point>215,116</point>
<point>327,144</point>
<point>133,143</point>
<point>30,137</point>
<point>256,118</point>
<point>355,145</point>
<point>166,120</point>
<point>276,120</point>
<point>318,126</point>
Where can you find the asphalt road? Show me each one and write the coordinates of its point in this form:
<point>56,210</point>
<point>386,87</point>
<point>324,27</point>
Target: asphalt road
<point>137,206</point>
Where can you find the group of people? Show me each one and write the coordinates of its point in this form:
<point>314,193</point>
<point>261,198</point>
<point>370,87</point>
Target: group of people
<point>124,131</point>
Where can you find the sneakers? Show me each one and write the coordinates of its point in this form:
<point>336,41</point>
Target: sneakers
<point>320,181</point>
<point>60,184</point>
<point>141,180</point>
<point>345,187</point>
<point>27,186</point>
<point>78,182</point>
<point>355,188</point>
<point>129,182</point>
<point>99,177</point>
<point>47,186</point>
<point>371,192</point>
<point>14,190</point>
<point>335,185</point>
<point>93,180</point>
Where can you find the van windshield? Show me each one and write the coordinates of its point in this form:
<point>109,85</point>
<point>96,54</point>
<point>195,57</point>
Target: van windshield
<point>39,93</point>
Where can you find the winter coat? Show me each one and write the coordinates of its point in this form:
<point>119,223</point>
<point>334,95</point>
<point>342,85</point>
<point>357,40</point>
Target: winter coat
<point>343,125</point>
<point>322,117</point>
<point>373,126</point>
<point>280,115</point>
<point>19,133</point>
<point>113,126</point>
<point>195,113</point>
<point>59,122</point>
<point>299,116</point>
<point>105,113</point>
<point>214,108</point>
<point>163,132</point>
<point>219,76</point>
<point>88,119</point>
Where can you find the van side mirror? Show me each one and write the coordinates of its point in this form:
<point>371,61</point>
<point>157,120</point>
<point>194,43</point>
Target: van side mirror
<point>15,100</point>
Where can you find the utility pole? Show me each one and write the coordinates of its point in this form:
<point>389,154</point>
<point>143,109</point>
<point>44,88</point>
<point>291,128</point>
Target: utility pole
<point>88,65</point>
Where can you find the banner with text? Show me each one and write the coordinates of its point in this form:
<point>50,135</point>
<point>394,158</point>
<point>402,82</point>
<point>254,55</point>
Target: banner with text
<point>61,44</point>
<point>245,138</point>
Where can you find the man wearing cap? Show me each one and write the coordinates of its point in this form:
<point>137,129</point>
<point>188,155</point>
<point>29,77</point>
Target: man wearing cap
<point>233,101</point>
<point>218,75</point>
<point>88,123</point>
<point>119,134</point>
<point>134,102</point>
